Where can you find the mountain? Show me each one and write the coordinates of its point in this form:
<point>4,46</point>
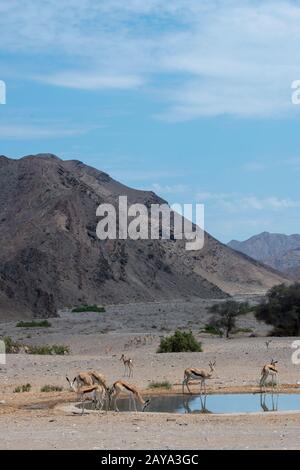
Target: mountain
<point>50,256</point>
<point>281,252</point>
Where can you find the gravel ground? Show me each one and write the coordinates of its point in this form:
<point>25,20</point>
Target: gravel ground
<point>97,341</point>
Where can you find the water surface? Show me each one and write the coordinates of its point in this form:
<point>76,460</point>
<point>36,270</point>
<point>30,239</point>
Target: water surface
<point>216,403</point>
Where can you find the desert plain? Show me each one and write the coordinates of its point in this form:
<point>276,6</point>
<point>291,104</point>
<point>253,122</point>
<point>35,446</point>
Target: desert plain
<point>45,420</point>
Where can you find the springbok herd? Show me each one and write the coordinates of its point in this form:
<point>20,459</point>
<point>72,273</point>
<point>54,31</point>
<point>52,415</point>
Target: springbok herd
<point>92,386</point>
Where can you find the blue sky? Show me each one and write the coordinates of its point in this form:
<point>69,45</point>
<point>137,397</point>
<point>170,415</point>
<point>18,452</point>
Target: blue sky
<point>189,98</point>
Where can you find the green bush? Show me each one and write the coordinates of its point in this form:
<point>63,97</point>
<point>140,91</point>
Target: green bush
<point>60,349</point>
<point>212,330</point>
<point>242,330</point>
<point>43,350</point>
<point>181,341</point>
<point>11,346</point>
<point>165,384</point>
<point>34,324</point>
<point>51,388</point>
<point>46,349</point>
<point>88,308</point>
<point>22,388</point>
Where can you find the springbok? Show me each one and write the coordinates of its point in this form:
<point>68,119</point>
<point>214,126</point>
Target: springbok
<point>198,374</point>
<point>89,379</point>
<point>93,393</point>
<point>133,392</point>
<point>269,369</point>
<point>128,365</point>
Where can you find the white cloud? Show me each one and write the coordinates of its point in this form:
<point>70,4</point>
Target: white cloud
<point>169,189</point>
<point>203,58</point>
<point>207,196</point>
<point>256,166</point>
<point>140,175</point>
<point>234,202</point>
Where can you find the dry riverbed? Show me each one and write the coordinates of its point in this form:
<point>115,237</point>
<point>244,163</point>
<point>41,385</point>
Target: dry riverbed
<point>39,420</point>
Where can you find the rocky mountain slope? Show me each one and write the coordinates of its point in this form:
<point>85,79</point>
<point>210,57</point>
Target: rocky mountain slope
<point>281,252</point>
<point>50,256</point>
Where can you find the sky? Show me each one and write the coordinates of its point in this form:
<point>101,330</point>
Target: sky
<point>187,98</point>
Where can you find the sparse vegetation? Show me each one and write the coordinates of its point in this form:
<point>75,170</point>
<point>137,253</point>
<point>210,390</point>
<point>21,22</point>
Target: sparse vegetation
<point>46,349</point>
<point>211,329</point>
<point>60,349</point>
<point>51,388</point>
<point>225,314</point>
<point>281,309</point>
<point>242,330</point>
<point>164,384</point>
<point>11,346</point>
<point>89,308</point>
<point>22,388</point>
<point>181,341</point>
<point>33,324</point>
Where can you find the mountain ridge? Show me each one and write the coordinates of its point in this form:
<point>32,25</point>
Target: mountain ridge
<point>50,256</point>
<point>277,250</point>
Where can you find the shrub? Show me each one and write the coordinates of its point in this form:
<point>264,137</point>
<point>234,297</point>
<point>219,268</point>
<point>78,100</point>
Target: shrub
<point>165,384</point>
<point>11,346</point>
<point>33,324</point>
<point>242,330</point>
<point>43,350</point>
<point>60,349</point>
<point>51,388</point>
<point>47,349</point>
<point>212,330</point>
<point>181,341</point>
<point>88,308</point>
<point>22,388</point>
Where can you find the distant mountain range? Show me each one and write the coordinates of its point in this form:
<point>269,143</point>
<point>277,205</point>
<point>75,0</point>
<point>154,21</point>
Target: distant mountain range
<point>50,256</point>
<point>281,252</point>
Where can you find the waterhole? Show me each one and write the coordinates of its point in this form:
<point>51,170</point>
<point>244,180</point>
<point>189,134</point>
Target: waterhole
<point>217,403</point>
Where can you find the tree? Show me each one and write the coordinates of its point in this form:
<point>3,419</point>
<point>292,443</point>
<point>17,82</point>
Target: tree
<point>281,309</point>
<point>226,313</point>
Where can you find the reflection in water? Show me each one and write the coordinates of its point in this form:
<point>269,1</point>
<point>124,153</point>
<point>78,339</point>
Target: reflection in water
<point>218,403</point>
<point>273,401</point>
<point>199,410</point>
<point>268,402</point>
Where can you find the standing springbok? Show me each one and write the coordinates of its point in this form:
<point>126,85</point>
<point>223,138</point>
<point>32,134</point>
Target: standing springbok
<point>268,342</point>
<point>128,365</point>
<point>198,374</point>
<point>269,369</point>
<point>133,392</point>
<point>93,393</point>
